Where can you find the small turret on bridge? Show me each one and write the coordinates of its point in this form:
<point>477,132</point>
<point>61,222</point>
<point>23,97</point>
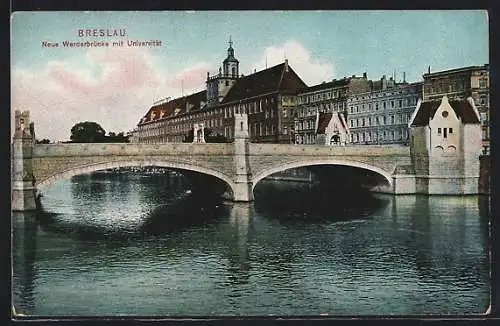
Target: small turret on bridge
<point>438,160</point>
<point>23,181</point>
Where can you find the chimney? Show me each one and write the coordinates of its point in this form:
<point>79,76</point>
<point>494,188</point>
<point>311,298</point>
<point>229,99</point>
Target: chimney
<point>208,75</point>
<point>286,65</point>
<point>364,75</point>
<point>429,70</point>
<point>404,77</point>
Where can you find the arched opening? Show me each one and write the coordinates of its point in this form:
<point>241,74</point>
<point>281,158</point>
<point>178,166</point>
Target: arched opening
<point>191,170</point>
<point>335,140</point>
<point>384,176</point>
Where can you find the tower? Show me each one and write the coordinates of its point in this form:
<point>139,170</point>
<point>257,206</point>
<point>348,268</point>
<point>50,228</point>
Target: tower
<point>23,182</point>
<point>219,84</point>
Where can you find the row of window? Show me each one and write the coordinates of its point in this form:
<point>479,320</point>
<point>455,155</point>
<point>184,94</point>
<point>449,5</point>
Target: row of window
<point>325,95</point>
<point>324,107</point>
<point>250,108</point>
<point>444,132</point>
<point>440,86</point>
<point>379,120</point>
<point>383,105</point>
<point>394,135</point>
<point>373,95</point>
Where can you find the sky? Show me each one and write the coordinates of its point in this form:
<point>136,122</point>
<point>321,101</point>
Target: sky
<point>116,85</point>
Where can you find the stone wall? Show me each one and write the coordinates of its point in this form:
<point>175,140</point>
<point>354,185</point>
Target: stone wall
<point>484,175</point>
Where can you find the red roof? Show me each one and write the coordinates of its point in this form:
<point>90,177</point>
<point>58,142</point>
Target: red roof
<point>323,122</point>
<point>263,82</point>
<point>169,107</point>
<point>463,109</point>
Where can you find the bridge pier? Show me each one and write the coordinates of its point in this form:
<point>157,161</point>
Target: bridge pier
<point>242,190</point>
<point>23,182</point>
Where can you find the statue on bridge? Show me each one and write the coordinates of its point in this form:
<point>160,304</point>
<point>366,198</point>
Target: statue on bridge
<point>199,133</point>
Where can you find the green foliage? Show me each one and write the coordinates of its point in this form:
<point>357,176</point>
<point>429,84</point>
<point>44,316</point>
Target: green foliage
<point>92,132</point>
<point>87,132</point>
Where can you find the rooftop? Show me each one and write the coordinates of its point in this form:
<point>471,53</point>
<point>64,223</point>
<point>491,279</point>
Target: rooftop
<point>456,70</point>
<point>463,109</point>
<point>278,78</point>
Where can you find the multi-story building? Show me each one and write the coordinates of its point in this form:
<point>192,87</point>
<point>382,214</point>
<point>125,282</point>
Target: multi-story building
<point>459,84</point>
<point>381,115</point>
<point>324,98</point>
<point>269,97</point>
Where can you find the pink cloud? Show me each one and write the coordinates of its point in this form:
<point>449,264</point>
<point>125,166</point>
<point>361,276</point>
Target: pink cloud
<point>192,78</point>
<point>61,95</point>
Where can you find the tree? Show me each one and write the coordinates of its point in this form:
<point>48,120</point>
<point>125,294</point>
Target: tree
<point>114,138</point>
<point>87,132</point>
<point>43,141</point>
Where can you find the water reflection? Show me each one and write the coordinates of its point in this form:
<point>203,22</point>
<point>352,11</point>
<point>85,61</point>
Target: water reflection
<point>297,250</point>
<point>24,232</point>
<point>303,202</point>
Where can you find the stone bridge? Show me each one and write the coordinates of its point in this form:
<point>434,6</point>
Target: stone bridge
<point>240,164</point>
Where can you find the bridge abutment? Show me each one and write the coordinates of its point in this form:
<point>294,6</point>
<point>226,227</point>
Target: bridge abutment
<point>23,182</point>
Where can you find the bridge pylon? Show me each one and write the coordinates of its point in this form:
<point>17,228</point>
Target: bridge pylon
<point>23,181</point>
<point>243,175</point>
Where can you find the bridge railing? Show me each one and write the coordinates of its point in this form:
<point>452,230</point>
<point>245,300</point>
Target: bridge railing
<point>360,150</point>
<point>105,149</point>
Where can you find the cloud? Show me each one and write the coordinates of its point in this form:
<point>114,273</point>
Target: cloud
<point>193,77</point>
<point>113,87</point>
<point>312,71</point>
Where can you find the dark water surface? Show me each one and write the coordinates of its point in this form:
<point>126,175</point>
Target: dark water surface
<point>133,244</point>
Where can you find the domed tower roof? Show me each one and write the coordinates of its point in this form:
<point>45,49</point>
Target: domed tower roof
<point>230,53</point>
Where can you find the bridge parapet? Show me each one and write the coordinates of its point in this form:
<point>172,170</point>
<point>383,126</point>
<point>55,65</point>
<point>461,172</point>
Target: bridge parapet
<point>311,150</point>
<point>131,149</point>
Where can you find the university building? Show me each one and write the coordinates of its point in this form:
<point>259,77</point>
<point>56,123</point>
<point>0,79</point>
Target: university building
<point>381,115</point>
<point>269,97</point>
<point>459,84</point>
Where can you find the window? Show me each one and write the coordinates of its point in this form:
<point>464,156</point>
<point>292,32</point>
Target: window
<point>439,131</point>
<point>450,130</point>
<point>392,104</point>
<point>400,103</point>
<point>227,82</point>
<point>385,120</point>
<point>482,83</point>
<point>383,104</point>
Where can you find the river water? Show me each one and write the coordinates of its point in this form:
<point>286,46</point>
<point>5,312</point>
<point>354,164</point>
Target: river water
<point>133,244</point>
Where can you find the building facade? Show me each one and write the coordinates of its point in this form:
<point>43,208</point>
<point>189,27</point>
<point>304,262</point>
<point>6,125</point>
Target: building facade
<point>381,115</point>
<point>324,98</point>
<point>332,129</point>
<point>459,84</point>
<point>446,142</point>
<point>268,97</point>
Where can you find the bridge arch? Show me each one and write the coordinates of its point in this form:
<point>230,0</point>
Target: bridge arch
<point>88,168</point>
<point>298,164</point>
